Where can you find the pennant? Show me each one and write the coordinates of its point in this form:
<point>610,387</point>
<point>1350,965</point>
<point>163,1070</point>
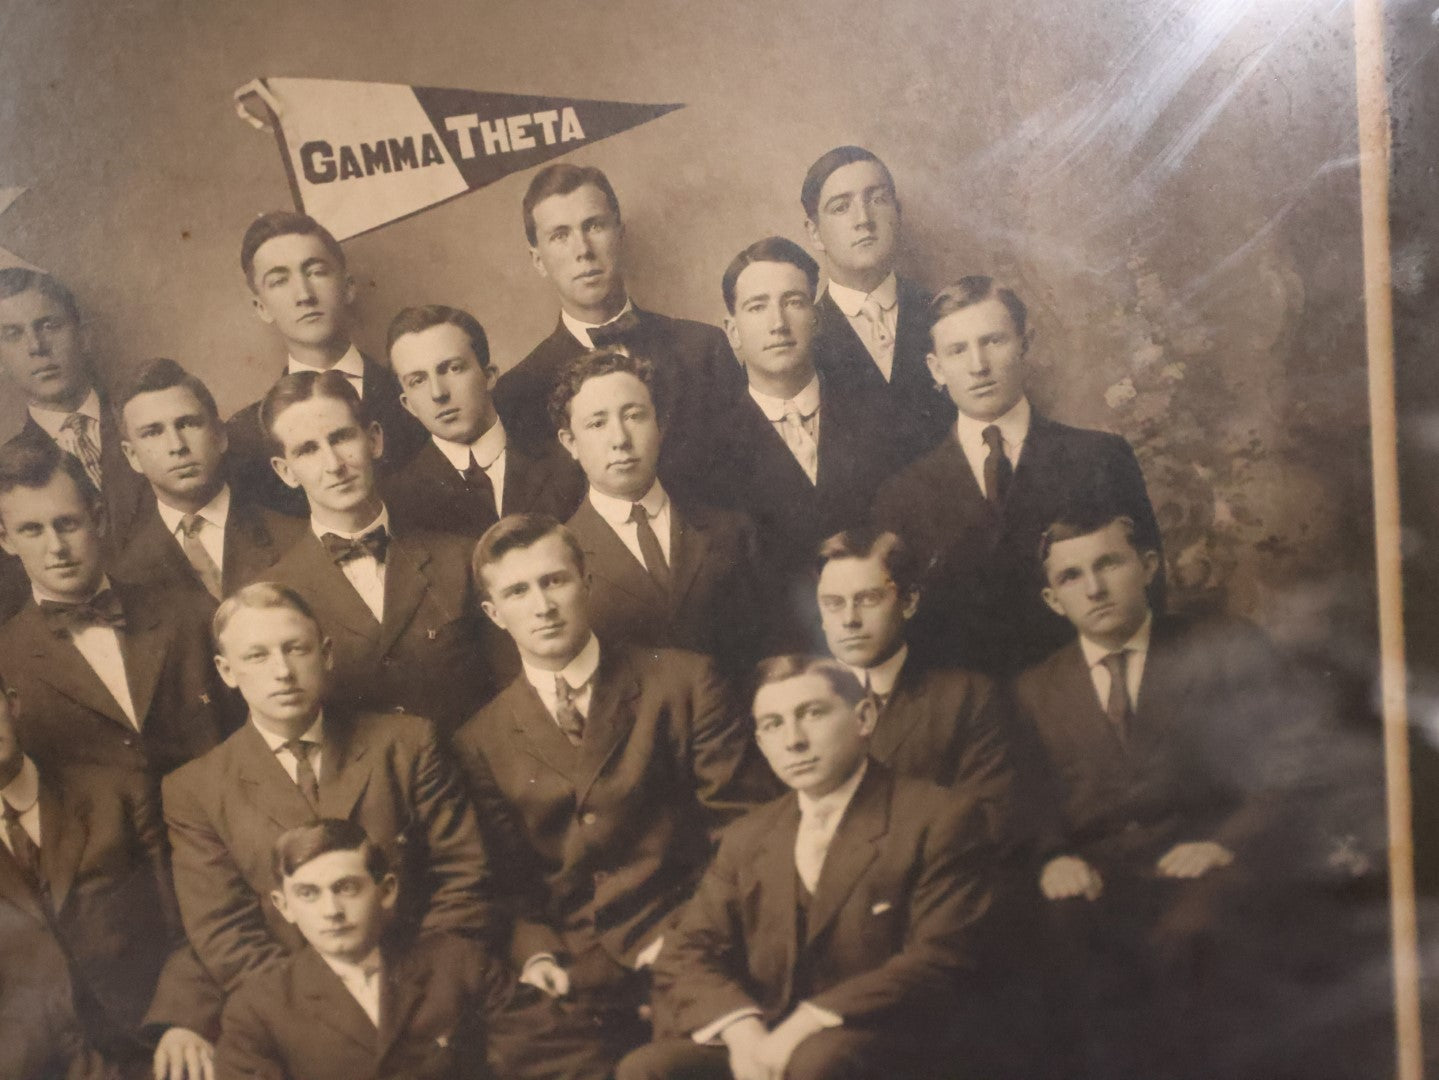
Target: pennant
<point>8,258</point>
<point>360,154</point>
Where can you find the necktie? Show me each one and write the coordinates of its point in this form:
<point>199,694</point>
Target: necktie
<point>997,469</point>
<point>650,547</point>
<point>25,850</point>
<point>77,437</point>
<point>102,609</point>
<point>1118,705</point>
<point>567,716</point>
<point>874,314</point>
<point>478,481</point>
<point>342,549</point>
<point>305,778</point>
<point>800,442</point>
<point>878,698</point>
<point>194,549</point>
<point>615,332</point>
<point>811,845</point>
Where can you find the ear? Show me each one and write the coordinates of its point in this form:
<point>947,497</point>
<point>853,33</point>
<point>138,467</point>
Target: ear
<point>910,604</point>
<point>811,228</point>
<point>227,673</point>
<point>936,372</point>
<point>866,716</point>
<point>223,436</point>
<point>261,310</point>
<point>1150,559</point>
<point>538,263</point>
<point>130,456</point>
<point>327,653</point>
<point>350,291</point>
<point>5,543</point>
<point>567,440</point>
<point>731,329</point>
<point>1051,597</point>
<point>389,892</point>
<point>282,470</point>
<point>277,897</point>
<point>405,403</point>
<point>493,613</point>
<point>376,437</point>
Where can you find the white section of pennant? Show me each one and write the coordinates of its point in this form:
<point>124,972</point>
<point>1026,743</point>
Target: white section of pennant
<point>345,113</point>
<point>8,258</point>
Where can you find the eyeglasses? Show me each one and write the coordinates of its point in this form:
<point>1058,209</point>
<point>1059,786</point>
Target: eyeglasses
<point>869,598</point>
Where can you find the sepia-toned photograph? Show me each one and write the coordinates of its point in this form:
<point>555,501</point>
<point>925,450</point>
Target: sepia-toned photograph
<point>658,541</point>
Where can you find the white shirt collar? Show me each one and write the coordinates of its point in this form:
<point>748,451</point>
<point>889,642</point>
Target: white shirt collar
<point>352,365</point>
<point>1013,425</point>
<point>885,674</point>
<point>807,401</point>
<point>215,512</point>
<point>356,974</point>
<point>1094,653</point>
<point>581,330</point>
<point>487,448</point>
<point>315,733</point>
<point>617,511</point>
<point>41,593</point>
<point>382,519</point>
<point>50,420</point>
<point>577,672</point>
<point>850,300</point>
<point>23,792</point>
<point>832,806</point>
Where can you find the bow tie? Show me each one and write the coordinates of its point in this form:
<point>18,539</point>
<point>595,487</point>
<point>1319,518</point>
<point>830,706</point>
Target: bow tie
<point>372,544</point>
<point>616,331</point>
<point>102,609</point>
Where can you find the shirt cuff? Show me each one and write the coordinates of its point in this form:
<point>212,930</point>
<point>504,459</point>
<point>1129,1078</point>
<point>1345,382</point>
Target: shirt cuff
<point>532,961</point>
<point>820,1015</point>
<point>709,1035</point>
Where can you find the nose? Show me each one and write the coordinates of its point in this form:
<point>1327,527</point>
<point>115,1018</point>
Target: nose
<point>584,246</point>
<point>37,343</point>
<point>1094,585</point>
<point>850,613</point>
<point>979,359</point>
<point>864,219</point>
<point>281,669</point>
<point>330,460</point>
<point>795,740</point>
<point>439,391</point>
<point>58,544</point>
<point>330,905</point>
<point>174,442</point>
<point>621,437</point>
<point>545,603</point>
<point>304,290</point>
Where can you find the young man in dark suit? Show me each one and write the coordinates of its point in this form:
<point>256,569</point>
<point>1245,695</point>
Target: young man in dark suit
<point>601,772</point>
<point>294,761</point>
<point>800,456</point>
<point>112,674</point>
<point>300,285</point>
<point>872,331</point>
<point>829,937</point>
<point>397,600</point>
<point>470,473</point>
<point>572,223</point>
<point>663,574</point>
<point>199,533</point>
<point>973,508</point>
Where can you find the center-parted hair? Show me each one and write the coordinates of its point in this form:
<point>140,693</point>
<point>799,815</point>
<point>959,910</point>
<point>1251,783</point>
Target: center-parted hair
<point>1084,519</point>
<point>592,365</point>
<point>868,542</point>
<point>841,679</point>
<point>35,465</point>
<point>260,596</point>
<point>15,280</point>
<point>268,226</point>
<point>306,843</point>
<point>562,178</point>
<point>770,249</point>
<point>827,164</point>
<point>515,532</point>
<point>298,386</point>
<point>415,320</point>
<point>165,374</point>
<point>975,289</point>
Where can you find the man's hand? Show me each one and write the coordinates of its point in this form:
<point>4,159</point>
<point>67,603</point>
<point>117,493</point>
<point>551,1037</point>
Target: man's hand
<point>1193,860</point>
<point>1067,876</point>
<point>184,1055</point>
<point>745,1039</point>
<point>779,1046</point>
<point>545,974</point>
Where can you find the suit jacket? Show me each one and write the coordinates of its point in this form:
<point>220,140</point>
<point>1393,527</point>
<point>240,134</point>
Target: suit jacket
<point>981,606</point>
<point>893,922</point>
<point>69,716</point>
<point>255,538</point>
<point>717,597</point>
<point>1193,764</point>
<point>696,369</point>
<point>429,493</point>
<point>297,1021</point>
<point>111,909</point>
<point>751,469</point>
<point>226,809</point>
<point>600,843</point>
<point>126,493</point>
<point>255,478</point>
<point>435,654</point>
<point>922,409</point>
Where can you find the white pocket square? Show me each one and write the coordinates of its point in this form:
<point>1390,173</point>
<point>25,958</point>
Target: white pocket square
<point>881,907</point>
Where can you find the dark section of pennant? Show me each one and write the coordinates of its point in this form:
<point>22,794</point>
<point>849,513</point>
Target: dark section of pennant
<point>491,135</point>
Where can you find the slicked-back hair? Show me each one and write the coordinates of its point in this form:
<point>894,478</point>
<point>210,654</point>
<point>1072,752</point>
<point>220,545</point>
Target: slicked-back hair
<point>971,290</point>
<point>792,665</point>
<point>15,280</point>
<point>592,365</point>
<point>268,226</point>
<point>165,374</point>
<point>561,178</point>
<point>305,843</point>
<point>1085,520</point>
<point>415,320</point>
<point>297,386</point>
<point>868,542</point>
<point>261,596</point>
<point>35,466</point>
<point>515,532</point>
<point>770,249</point>
<point>827,164</point>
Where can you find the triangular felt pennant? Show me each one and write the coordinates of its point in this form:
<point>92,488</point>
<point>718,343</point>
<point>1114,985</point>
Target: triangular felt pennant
<point>360,155</point>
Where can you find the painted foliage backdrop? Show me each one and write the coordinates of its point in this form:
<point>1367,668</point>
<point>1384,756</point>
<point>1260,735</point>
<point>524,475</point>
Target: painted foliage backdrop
<point>1170,183</point>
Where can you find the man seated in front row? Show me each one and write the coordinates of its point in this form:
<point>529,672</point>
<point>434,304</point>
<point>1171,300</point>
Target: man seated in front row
<point>321,1013</point>
<point>599,773</point>
<point>829,937</point>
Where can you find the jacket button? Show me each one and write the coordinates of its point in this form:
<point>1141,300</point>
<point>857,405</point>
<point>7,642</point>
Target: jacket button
<point>589,817</point>
<point>398,708</point>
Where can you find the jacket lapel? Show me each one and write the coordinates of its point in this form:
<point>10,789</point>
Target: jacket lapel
<point>400,994</point>
<point>778,913</point>
<point>607,556</point>
<point>265,784</point>
<point>689,547</point>
<point>64,828</point>
<point>61,665</point>
<point>405,587</point>
<point>15,889</point>
<point>854,846</point>
<point>611,714</point>
<point>145,649</point>
<point>331,589</point>
<point>324,996</point>
<point>902,713</point>
<point>537,734</point>
<point>344,768</point>
<point>1076,686</point>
